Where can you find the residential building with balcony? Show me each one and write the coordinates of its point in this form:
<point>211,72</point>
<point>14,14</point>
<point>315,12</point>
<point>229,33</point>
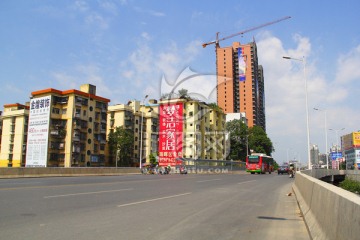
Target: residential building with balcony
<point>73,132</point>
<point>139,118</point>
<point>351,149</point>
<point>240,82</point>
<point>190,129</point>
<point>14,135</point>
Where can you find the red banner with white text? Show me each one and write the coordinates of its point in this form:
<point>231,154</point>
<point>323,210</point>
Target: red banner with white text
<point>170,133</point>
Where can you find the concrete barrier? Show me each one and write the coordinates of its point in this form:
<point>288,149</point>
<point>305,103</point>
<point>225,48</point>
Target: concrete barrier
<point>329,211</point>
<point>62,172</point>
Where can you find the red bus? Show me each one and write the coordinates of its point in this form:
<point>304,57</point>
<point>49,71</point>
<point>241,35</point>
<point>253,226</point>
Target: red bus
<point>259,163</point>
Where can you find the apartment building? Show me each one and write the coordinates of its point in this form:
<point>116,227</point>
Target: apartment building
<point>240,82</point>
<point>67,128</point>
<point>190,129</point>
<point>0,129</point>
<point>351,148</point>
<point>139,118</point>
<point>14,135</point>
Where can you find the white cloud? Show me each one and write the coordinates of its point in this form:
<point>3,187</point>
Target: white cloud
<point>81,6</point>
<point>146,36</point>
<point>348,67</point>
<point>150,12</point>
<point>285,95</point>
<point>110,7</point>
<point>95,19</point>
<point>83,74</point>
<point>144,67</point>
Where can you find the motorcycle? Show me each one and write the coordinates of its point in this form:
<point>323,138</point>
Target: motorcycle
<point>165,170</point>
<point>291,174</point>
<point>183,170</point>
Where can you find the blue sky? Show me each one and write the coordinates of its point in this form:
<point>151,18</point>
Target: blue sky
<point>132,48</point>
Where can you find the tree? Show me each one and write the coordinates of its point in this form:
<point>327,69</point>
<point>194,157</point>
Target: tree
<point>215,107</point>
<point>242,139</point>
<point>238,139</point>
<point>121,145</point>
<point>183,93</point>
<point>152,159</point>
<point>259,141</point>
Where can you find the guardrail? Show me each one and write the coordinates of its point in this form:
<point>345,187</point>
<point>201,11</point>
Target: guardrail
<point>65,172</point>
<point>329,211</point>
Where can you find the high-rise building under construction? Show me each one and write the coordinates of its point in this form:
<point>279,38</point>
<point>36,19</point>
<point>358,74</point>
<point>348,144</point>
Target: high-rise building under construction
<point>240,82</point>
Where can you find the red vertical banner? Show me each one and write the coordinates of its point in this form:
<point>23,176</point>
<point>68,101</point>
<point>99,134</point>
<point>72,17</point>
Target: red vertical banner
<point>171,133</point>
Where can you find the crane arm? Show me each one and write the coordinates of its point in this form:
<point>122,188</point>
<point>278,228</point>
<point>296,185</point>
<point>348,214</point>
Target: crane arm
<point>245,31</point>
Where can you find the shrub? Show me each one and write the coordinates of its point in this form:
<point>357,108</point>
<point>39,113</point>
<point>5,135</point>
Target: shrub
<point>350,185</point>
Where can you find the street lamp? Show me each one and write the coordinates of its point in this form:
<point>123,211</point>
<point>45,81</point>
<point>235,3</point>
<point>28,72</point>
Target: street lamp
<point>303,60</point>
<point>326,142</point>
<point>141,132</point>
<point>287,154</point>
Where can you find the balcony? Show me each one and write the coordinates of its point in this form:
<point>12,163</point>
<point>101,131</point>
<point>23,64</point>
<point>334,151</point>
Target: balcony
<point>76,149</point>
<point>58,133</point>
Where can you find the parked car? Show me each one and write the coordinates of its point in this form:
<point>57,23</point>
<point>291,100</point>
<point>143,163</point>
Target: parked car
<point>283,169</point>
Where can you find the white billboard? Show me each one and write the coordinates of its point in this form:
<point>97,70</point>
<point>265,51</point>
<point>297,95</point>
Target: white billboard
<point>38,133</point>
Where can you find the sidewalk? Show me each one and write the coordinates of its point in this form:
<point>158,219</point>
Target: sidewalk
<point>292,224</point>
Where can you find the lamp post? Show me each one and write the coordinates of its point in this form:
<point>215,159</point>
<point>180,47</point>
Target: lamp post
<point>326,142</point>
<point>141,132</point>
<point>287,154</point>
<point>303,60</point>
<point>337,140</point>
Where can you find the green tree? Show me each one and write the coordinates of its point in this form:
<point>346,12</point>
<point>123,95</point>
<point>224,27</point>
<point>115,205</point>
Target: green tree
<point>152,159</point>
<point>215,107</point>
<point>121,145</point>
<point>238,139</point>
<point>183,93</point>
<point>259,141</point>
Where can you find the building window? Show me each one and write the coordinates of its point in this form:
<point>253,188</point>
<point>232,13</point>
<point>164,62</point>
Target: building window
<point>63,111</point>
<point>84,113</point>
<point>56,110</point>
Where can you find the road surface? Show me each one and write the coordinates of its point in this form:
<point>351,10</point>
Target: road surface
<point>162,207</point>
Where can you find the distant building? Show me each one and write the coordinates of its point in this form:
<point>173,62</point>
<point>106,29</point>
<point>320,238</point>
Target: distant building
<point>240,82</point>
<point>67,128</point>
<point>190,129</point>
<point>351,147</point>
<point>314,155</point>
<point>0,128</point>
<point>14,135</point>
<point>236,116</point>
<point>138,118</point>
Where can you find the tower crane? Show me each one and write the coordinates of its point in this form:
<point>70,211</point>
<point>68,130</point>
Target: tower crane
<point>242,32</point>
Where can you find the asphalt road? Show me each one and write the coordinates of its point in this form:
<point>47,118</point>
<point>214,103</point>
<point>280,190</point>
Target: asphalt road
<point>217,206</point>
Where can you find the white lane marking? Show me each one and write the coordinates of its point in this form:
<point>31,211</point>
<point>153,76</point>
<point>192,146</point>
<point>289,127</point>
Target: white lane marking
<point>15,183</point>
<point>247,182</point>
<point>154,199</point>
<point>86,193</point>
<point>217,179</point>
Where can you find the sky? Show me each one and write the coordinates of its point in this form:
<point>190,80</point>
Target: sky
<point>130,48</point>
